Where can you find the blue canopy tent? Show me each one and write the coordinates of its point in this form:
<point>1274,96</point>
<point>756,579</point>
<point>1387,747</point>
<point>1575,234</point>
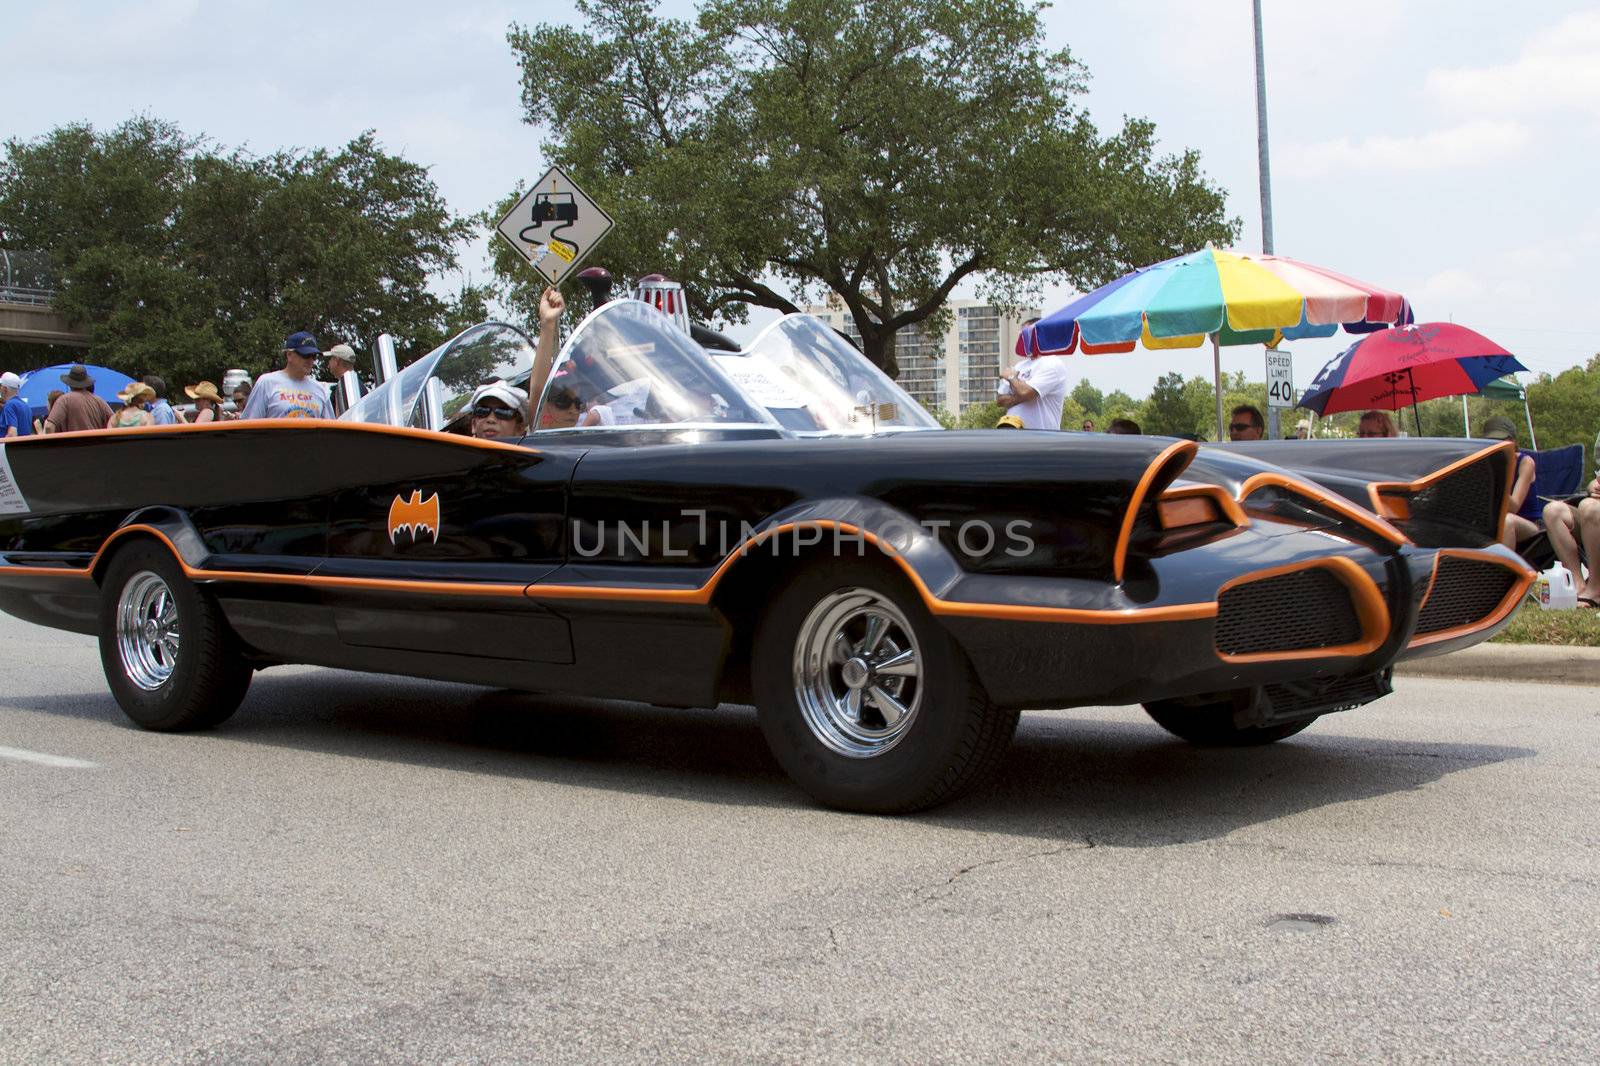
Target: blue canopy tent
<point>39,384</point>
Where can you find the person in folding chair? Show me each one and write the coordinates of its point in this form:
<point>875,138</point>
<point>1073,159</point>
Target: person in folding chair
<point>1522,520</point>
<point>1574,528</point>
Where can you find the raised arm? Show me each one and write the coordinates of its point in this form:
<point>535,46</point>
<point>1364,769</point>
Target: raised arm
<point>551,307</point>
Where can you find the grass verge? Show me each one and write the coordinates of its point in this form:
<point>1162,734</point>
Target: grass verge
<point>1530,625</point>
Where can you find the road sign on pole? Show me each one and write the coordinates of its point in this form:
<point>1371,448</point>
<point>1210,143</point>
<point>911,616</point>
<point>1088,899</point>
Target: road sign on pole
<point>1280,378</point>
<point>554,226</point>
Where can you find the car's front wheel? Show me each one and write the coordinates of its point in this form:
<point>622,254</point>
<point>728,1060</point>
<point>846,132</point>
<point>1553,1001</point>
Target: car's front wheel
<point>167,652</point>
<point>1211,724</point>
<point>864,698</point>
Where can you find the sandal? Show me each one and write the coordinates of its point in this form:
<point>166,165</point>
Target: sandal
<point>1588,603</point>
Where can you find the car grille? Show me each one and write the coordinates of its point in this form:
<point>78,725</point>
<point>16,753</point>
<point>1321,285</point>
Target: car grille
<point>1466,498</point>
<point>1286,702</point>
<point>1465,591</point>
<point>1296,611</point>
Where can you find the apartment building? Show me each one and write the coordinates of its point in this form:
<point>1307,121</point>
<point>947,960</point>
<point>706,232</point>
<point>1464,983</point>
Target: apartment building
<point>952,370</point>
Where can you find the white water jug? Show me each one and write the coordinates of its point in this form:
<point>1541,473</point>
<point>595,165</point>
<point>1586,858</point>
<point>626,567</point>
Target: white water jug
<point>1556,590</point>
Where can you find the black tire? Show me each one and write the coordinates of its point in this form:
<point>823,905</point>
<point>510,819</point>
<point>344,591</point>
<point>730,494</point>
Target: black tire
<point>1211,724</point>
<point>952,737</point>
<point>193,681</point>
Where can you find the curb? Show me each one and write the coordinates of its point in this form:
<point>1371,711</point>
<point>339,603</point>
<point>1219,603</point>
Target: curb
<point>1545,663</point>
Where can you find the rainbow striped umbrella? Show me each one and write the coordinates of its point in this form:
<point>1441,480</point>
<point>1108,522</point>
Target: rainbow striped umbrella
<point>1229,297</point>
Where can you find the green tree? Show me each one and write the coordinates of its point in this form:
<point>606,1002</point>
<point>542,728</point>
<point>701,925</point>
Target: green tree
<point>885,152</point>
<point>182,260</point>
<point>979,416</point>
<point>1167,411</point>
<point>1566,409</point>
<point>1088,397</point>
<point>1119,404</point>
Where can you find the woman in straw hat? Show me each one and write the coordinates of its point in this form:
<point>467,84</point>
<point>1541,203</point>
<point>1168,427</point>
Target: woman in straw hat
<point>133,413</point>
<point>207,402</point>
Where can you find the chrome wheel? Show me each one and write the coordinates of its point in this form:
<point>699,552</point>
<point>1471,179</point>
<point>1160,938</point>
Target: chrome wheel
<point>857,673</point>
<point>147,630</point>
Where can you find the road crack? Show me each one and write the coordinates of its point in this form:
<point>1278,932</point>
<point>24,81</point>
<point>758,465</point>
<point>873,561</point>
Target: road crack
<point>930,893</point>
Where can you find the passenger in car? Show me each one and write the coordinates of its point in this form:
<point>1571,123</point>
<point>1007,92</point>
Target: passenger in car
<point>496,411</point>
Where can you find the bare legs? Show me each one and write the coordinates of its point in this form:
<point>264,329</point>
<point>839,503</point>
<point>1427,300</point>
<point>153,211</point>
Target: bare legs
<point>1517,529</point>
<point>1567,526</point>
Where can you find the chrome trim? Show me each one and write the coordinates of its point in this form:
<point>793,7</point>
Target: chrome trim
<point>433,405</point>
<point>147,630</point>
<point>857,673</point>
<point>350,387</point>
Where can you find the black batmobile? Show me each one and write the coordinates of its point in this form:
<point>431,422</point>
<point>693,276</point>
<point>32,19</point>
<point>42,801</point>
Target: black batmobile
<point>780,525</point>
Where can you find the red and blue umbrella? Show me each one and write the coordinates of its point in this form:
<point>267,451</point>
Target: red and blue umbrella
<point>1403,366</point>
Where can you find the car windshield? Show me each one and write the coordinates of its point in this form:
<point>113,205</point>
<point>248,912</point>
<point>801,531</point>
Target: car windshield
<point>812,380</point>
<point>628,365</point>
<point>483,353</point>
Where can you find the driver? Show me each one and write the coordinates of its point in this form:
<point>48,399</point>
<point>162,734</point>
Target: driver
<point>497,411</point>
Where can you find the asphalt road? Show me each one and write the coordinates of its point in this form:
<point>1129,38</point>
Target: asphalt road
<point>368,869</point>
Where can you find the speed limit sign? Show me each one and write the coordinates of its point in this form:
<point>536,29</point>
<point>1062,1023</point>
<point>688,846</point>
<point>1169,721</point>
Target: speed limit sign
<point>1280,378</point>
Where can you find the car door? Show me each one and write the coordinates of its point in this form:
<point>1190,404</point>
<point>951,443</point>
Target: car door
<point>430,552</point>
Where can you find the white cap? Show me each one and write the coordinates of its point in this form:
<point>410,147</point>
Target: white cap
<point>341,351</point>
<point>9,380</point>
<point>503,391</point>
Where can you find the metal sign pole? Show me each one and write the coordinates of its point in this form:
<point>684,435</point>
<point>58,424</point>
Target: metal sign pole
<point>1262,156</point>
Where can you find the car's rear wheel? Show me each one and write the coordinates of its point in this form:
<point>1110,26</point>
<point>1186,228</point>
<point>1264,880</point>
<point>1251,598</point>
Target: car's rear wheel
<point>864,698</point>
<point>168,655</point>
<point>1211,724</point>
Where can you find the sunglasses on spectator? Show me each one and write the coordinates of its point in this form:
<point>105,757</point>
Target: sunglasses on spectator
<point>1240,427</point>
<point>484,410</point>
<point>1370,433</point>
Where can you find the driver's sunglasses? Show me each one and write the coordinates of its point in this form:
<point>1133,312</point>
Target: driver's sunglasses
<point>1241,427</point>
<point>1369,433</point>
<point>564,400</point>
<point>504,414</point>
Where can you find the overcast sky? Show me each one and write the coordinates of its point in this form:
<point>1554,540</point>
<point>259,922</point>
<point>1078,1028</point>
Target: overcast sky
<point>1444,148</point>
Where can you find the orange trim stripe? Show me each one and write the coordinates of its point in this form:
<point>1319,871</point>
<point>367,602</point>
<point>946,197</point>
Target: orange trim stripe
<point>1513,595</point>
<point>1337,504</point>
<point>1184,448</point>
<point>302,425</point>
<point>935,604</point>
<point>1371,611</point>
<point>443,587</point>
<point>697,596</point>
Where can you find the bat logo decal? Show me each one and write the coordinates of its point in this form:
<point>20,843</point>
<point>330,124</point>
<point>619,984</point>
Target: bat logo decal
<point>413,516</point>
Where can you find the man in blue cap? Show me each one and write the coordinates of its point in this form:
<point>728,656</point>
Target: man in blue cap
<point>291,392</point>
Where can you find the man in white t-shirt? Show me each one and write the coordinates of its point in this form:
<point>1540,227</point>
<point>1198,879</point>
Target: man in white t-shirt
<point>291,392</point>
<point>1035,390</point>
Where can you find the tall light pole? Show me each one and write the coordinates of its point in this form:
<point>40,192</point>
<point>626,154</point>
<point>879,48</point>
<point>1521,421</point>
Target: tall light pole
<point>1273,426</point>
<point>1261,137</point>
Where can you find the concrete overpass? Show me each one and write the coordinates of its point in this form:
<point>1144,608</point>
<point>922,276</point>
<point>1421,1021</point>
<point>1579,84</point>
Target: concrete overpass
<point>36,324</point>
<point>26,288</point>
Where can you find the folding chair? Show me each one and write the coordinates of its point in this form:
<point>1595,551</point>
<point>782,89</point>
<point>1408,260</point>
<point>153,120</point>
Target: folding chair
<point>1557,474</point>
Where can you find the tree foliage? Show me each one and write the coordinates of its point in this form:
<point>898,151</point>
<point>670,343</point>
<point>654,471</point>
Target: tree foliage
<point>1086,396</point>
<point>774,150</point>
<point>183,260</point>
